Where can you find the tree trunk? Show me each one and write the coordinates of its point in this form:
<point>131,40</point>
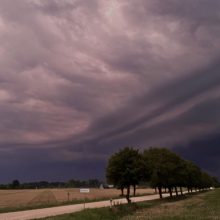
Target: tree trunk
<point>176,191</point>
<point>188,189</point>
<point>191,190</point>
<point>170,191</point>
<point>122,191</point>
<point>128,195</point>
<point>181,190</point>
<point>160,192</point>
<point>155,190</point>
<point>134,186</point>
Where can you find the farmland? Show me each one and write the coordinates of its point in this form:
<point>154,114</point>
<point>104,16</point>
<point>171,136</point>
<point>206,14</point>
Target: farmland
<point>21,199</point>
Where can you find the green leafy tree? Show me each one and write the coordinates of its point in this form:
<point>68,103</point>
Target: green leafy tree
<point>215,182</point>
<point>125,169</point>
<point>166,169</point>
<point>206,181</point>
<point>15,184</point>
<point>193,176</point>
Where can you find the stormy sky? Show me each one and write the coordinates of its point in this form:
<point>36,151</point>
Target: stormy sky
<point>80,79</point>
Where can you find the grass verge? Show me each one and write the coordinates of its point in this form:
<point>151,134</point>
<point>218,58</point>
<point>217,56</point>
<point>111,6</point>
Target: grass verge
<point>205,206</point>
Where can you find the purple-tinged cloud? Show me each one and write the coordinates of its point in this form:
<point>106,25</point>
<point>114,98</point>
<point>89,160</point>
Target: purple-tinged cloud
<point>81,79</point>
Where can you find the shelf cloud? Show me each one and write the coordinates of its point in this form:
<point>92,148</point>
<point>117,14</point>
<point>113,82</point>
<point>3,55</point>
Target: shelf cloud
<point>81,79</point>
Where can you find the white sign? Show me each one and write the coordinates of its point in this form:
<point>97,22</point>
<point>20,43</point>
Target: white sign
<point>84,190</point>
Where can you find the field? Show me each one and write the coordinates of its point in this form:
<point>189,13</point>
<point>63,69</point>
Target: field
<point>205,206</point>
<point>43,197</point>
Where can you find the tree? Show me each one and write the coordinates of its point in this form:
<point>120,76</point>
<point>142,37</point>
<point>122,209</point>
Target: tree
<point>206,181</point>
<point>215,182</point>
<point>193,175</point>
<point>15,184</point>
<point>165,168</point>
<point>125,169</point>
<point>95,183</point>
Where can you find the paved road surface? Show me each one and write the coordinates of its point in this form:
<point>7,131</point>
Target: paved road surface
<point>46,212</point>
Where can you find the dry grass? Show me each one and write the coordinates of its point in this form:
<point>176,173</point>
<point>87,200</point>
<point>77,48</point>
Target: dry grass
<point>25,198</point>
<point>201,206</point>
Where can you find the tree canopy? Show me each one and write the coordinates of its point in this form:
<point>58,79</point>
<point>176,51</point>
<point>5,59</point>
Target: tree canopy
<point>125,169</point>
<point>161,167</point>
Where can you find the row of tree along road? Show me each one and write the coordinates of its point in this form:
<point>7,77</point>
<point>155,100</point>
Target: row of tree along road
<point>160,167</point>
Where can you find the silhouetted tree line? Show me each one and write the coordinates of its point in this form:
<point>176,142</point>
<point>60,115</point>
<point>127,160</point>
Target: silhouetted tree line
<point>160,167</point>
<point>91,183</point>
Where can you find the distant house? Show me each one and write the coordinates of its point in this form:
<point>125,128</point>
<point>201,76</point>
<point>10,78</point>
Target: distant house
<point>105,186</point>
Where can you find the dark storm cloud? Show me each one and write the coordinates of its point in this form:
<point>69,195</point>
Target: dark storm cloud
<point>45,168</point>
<point>176,98</point>
<point>204,151</point>
<point>80,79</point>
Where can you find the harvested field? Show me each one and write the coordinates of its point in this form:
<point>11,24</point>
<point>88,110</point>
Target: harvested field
<point>36,197</point>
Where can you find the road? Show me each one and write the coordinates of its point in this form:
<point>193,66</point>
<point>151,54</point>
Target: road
<point>53,211</point>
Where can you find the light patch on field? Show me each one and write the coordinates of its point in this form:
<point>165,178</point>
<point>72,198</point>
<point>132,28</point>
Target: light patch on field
<point>45,197</point>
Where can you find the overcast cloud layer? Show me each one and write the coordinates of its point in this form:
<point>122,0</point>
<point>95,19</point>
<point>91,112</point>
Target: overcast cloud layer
<point>81,79</point>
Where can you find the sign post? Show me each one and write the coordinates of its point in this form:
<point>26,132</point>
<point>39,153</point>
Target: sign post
<point>84,190</point>
<point>68,196</point>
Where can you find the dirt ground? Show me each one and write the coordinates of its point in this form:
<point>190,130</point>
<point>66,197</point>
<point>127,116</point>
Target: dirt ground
<point>20,198</point>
